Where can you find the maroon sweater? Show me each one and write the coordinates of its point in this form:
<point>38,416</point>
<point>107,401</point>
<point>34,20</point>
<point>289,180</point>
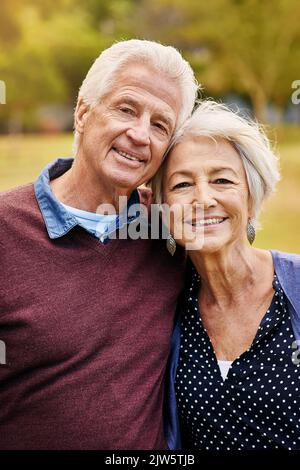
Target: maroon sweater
<point>87,330</point>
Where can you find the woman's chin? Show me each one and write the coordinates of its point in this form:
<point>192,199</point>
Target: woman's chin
<point>206,245</point>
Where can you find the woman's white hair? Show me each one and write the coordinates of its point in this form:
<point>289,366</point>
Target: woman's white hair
<point>217,121</point>
<point>164,59</point>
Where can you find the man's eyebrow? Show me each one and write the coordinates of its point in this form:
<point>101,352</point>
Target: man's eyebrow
<point>166,117</point>
<point>128,100</point>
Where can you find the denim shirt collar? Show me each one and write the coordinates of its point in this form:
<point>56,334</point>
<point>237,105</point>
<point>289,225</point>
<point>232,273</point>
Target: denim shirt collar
<point>57,219</point>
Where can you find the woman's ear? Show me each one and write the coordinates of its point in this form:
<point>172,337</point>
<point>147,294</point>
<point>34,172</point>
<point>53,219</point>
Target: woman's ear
<point>80,115</point>
<point>251,214</point>
<point>251,211</point>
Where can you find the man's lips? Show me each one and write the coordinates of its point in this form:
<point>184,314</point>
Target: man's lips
<point>129,155</point>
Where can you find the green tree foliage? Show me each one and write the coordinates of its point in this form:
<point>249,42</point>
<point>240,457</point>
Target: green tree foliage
<point>251,47</point>
<point>248,46</point>
<point>47,47</point>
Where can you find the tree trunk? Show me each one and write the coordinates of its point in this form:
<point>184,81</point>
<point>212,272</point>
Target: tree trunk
<point>259,103</point>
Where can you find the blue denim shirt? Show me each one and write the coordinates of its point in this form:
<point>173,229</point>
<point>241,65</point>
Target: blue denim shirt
<point>57,219</point>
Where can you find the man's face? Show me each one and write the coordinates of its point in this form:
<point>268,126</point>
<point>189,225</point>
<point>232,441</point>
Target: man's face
<point>126,135</point>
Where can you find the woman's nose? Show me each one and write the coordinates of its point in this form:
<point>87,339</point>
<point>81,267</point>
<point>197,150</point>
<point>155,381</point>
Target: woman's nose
<point>203,195</point>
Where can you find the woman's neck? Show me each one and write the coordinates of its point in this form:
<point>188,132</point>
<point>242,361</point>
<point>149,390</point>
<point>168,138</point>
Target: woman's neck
<point>229,274</point>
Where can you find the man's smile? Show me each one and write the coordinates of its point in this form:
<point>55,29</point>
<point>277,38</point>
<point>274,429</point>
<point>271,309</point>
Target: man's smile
<point>129,156</point>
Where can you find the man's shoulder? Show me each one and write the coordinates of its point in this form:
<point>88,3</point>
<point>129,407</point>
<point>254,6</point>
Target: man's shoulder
<point>16,197</point>
<point>17,203</point>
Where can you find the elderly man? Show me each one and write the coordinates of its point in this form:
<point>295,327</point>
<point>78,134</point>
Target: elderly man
<point>86,318</point>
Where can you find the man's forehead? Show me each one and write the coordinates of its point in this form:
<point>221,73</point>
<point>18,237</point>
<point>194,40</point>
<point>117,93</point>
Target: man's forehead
<point>146,79</point>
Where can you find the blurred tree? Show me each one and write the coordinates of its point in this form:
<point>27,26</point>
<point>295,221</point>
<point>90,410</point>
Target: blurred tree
<point>9,28</point>
<point>247,46</point>
<point>251,47</point>
<point>46,49</point>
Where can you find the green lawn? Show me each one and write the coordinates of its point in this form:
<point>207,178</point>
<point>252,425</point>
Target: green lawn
<point>22,158</point>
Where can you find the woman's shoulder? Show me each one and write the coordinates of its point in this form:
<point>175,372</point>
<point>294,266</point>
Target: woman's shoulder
<point>287,268</point>
<point>286,259</point>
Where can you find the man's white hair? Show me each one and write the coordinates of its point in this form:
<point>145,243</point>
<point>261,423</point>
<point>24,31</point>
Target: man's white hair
<point>163,59</point>
<point>217,121</point>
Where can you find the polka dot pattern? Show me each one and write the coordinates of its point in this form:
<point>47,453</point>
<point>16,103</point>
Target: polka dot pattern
<point>257,406</point>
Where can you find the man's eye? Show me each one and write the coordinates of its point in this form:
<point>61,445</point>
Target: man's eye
<point>161,127</point>
<point>184,184</point>
<point>222,181</point>
<point>126,110</point>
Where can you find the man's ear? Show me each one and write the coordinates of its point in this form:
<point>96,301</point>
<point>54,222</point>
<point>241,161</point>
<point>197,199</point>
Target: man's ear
<point>80,115</point>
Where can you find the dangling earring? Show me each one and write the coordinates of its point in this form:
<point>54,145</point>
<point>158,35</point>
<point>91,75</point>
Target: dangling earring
<point>171,245</point>
<point>250,233</point>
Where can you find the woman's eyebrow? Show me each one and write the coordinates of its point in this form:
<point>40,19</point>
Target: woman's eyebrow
<point>223,168</point>
<point>181,173</point>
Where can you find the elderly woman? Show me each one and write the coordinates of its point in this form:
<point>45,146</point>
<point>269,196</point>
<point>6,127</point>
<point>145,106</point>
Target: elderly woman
<point>234,367</point>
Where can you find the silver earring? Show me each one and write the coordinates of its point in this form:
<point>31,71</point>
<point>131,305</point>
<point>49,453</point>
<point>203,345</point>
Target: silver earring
<point>171,245</point>
<point>250,233</point>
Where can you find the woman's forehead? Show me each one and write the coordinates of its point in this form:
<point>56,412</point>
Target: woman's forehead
<point>193,152</point>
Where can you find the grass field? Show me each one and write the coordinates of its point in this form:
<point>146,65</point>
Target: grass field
<point>23,157</point>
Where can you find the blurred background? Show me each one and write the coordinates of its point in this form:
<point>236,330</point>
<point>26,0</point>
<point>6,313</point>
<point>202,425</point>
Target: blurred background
<point>244,52</point>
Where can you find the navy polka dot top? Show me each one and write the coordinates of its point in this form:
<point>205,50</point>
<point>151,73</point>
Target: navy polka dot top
<point>257,405</point>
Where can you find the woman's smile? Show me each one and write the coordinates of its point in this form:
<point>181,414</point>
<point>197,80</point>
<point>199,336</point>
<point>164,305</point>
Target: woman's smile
<point>207,223</point>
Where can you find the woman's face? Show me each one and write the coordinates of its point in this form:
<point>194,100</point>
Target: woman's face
<point>207,180</point>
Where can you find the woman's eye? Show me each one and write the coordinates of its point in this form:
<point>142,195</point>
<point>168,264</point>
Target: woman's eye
<point>184,184</point>
<point>222,181</point>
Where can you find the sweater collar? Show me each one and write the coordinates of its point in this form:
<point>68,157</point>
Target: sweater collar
<point>57,219</point>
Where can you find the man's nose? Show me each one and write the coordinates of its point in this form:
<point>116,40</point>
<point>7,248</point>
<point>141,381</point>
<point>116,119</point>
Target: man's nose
<point>139,132</point>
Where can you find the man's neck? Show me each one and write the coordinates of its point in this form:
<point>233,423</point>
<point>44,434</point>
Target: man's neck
<point>76,189</point>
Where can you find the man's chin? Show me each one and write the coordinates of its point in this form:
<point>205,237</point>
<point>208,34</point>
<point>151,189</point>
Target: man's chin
<point>126,182</point>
